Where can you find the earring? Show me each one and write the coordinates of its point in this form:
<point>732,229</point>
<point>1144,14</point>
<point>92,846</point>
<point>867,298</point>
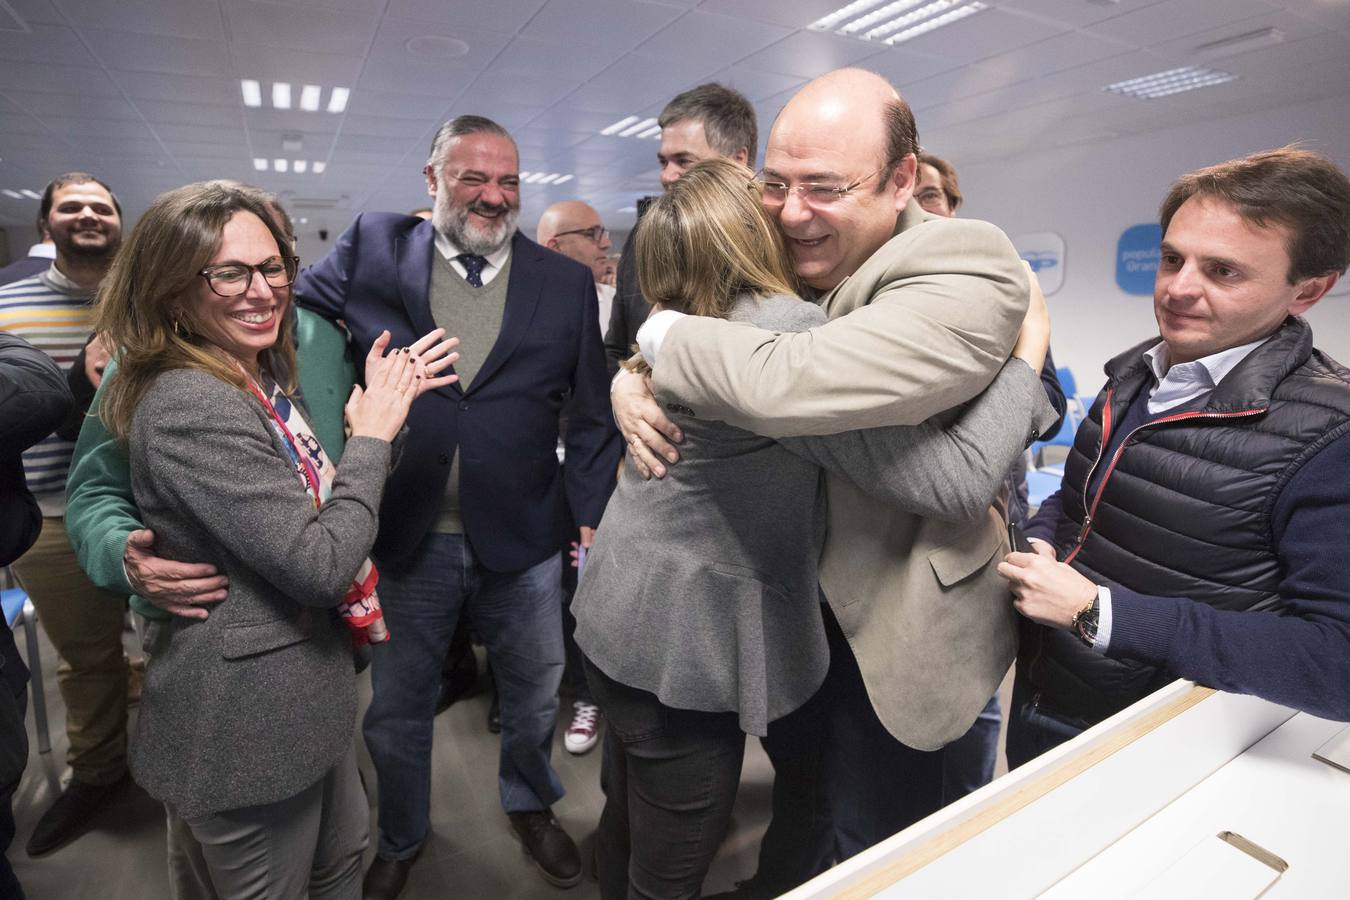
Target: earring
<point>179,329</point>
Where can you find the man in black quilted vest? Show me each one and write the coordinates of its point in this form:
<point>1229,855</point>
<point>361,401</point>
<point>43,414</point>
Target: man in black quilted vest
<point>1200,531</point>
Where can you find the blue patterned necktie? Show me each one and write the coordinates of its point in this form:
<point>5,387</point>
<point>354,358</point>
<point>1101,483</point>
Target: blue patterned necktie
<point>473,268</point>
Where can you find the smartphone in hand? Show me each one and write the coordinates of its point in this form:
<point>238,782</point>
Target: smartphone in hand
<point>1017,540</point>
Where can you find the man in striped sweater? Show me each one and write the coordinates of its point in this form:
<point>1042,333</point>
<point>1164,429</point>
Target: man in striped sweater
<point>54,312</point>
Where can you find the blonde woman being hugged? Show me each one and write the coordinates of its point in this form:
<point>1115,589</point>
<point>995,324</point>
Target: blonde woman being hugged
<point>698,608</point>
<point>245,726</point>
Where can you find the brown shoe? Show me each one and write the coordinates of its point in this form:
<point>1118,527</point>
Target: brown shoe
<point>554,853</point>
<point>385,878</point>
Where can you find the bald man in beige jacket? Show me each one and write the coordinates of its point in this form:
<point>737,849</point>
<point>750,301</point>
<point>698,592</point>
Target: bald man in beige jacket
<point>923,314</point>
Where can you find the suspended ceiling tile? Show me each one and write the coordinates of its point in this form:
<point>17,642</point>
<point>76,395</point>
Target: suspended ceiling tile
<point>807,54</point>
<point>620,22</point>
<point>41,78</point>
<point>187,89</point>
<point>159,53</point>
<point>1170,19</point>
<point>265,63</point>
<point>310,29</point>
<point>181,18</point>
<point>716,39</point>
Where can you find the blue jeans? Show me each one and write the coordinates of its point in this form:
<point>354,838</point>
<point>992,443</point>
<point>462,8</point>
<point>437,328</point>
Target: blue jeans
<point>968,762</point>
<point>518,616</point>
<point>1032,729</point>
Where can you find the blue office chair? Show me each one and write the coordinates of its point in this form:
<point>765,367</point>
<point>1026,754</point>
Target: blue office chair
<point>18,608</point>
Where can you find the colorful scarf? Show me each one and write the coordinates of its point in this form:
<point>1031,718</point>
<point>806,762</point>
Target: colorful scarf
<point>360,608</point>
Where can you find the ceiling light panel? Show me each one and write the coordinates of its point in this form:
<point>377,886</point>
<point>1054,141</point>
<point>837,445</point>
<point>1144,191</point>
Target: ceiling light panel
<point>1172,81</point>
<point>933,24</point>
<point>896,21</point>
<point>280,95</point>
<point>309,97</point>
<point>633,126</point>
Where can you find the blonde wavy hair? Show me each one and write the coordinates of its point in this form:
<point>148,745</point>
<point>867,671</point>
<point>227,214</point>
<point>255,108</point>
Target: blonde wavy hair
<point>707,241</point>
<point>141,308</point>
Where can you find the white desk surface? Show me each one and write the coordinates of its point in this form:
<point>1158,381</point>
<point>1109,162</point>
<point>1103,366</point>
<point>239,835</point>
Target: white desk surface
<point>1104,814</point>
<point>1275,794</point>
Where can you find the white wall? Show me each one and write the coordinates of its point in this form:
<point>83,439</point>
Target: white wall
<point>1090,193</point>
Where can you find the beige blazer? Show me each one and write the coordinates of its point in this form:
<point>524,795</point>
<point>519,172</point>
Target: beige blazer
<point>923,326</point>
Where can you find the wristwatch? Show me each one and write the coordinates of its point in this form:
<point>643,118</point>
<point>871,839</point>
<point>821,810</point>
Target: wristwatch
<point>1085,621</point>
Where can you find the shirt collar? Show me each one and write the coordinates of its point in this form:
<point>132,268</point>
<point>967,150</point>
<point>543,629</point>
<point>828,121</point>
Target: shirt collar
<point>1213,367</point>
<point>57,280</point>
<point>496,259</point>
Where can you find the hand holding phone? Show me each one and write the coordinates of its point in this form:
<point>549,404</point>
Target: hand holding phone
<point>1017,540</point>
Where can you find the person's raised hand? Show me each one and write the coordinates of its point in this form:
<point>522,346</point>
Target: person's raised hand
<point>96,357</point>
<point>379,409</point>
<point>435,357</point>
<point>183,589</point>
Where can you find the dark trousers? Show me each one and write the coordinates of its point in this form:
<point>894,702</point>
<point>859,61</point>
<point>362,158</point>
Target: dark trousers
<point>672,782</point>
<point>874,785</point>
<point>1033,729</point>
<point>968,762</point>
<point>13,751</point>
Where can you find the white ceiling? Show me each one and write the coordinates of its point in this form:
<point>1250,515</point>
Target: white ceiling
<point>145,93</point>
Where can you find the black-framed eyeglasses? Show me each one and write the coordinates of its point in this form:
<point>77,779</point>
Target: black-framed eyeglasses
<point>233,279</point>
<point>815,194</point>
<point>596,233</point>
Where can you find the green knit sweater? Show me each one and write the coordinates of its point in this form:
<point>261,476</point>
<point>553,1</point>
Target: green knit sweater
<point>100,508</point>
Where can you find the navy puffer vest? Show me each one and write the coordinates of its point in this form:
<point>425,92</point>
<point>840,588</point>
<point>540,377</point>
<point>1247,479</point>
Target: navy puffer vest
<point>1184,509</point>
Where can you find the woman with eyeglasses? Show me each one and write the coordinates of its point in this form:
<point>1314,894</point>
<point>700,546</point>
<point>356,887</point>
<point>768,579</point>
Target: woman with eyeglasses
<point>245,724</point>
<point>698,608</point>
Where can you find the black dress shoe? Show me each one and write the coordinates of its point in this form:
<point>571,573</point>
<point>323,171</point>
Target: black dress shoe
<point>70,816</point>
<point>385,878</point>
<point>553,851</point>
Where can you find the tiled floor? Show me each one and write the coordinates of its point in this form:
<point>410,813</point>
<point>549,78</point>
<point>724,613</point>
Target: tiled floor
<point>471,853</point>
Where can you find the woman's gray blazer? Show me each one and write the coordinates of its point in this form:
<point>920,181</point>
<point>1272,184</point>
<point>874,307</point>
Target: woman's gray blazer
<point>258,701</point>
<point>701,587</point>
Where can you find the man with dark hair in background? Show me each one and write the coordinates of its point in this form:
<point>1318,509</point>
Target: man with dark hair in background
<point>33,400</point>
<point>937,190</point>
<point>1202,519</point>
<point>702,123</point>
<point>472,516</point>
<point>54,311</point>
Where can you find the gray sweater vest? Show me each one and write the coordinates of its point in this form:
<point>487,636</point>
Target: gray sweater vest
<point>474,315</point>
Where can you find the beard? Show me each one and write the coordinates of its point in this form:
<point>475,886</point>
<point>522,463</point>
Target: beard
<point>70,248</point>
<point>479,239</point>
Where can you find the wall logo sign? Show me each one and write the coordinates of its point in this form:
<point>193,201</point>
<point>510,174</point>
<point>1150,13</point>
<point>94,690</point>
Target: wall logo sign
<point>1137,258</point>
<point>1044,252</point>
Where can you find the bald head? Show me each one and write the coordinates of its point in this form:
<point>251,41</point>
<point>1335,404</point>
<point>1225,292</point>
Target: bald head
<point>574,229</point>
<point>846,129</point>
<point>854,98</point>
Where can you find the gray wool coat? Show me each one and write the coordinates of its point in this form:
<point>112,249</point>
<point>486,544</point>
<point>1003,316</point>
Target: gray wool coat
<point>701,587</point>
<point>258,701</point>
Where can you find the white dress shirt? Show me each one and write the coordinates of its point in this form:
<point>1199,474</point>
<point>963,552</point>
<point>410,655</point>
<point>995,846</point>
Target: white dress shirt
<point>495,260</point>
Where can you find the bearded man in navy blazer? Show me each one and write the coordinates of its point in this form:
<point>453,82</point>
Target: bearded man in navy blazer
<point>472,516</point>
